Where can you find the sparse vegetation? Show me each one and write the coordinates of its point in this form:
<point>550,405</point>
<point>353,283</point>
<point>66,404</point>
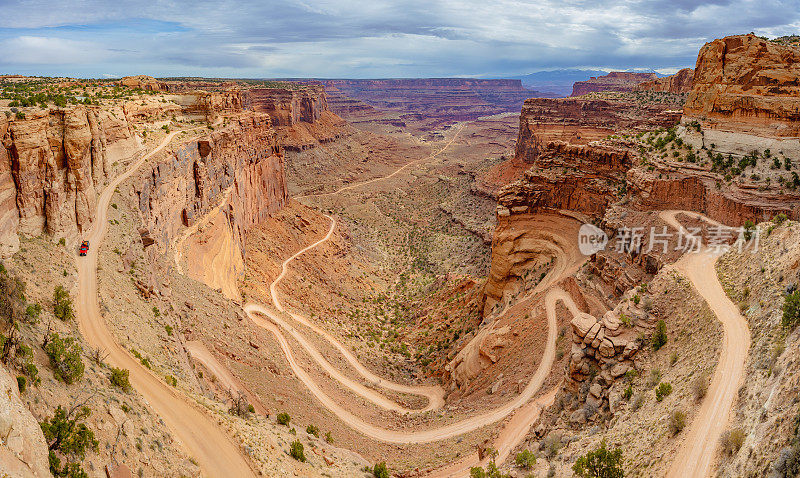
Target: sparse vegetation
<point>380,470</point>
<point>732,440</point>
<point>296,451</point>
<point>600,463</point>
<point>283,419</point>
<point>62,304</point>
<point>65,358</point>
<point>525,459</point>
<point>68,439</point>
<point>120,378</point>
<point>791,310</point>
<point>663,390</point>
<point>660,335</point>
<point>677,421</point>
<point>312,430</point>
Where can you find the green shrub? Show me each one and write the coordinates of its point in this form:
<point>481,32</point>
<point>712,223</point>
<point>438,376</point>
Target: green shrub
<point>525,459</point>
<point>32,312</point>
<point>120,378</point>
<point>283,419</point>
<point>677,421</point>
<point>660,336</point>
<point>328,437</point>
<point>22,383</point>
<point>791,310</point>
<point>312,430</point>
<point>68,437</point>
<point>65,357</point>
<point>171,380</point>
<point>380,470</point>
<point>600,463</point>
<point>663,390</point>
<point>296,451</point>
<point>168,328</point>
<point>62,304</point>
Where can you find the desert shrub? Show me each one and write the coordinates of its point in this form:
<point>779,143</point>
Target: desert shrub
<point>62,304</point>
<point>663,390</point>
<point>283,419</point>
<point>120,377</point>
<point>22,383</point>
<point>65,358</point>
<point>380,470</point>
<point>312,430</point>
<point>791,310</point>
<point>677,421</point>
<point>551,444</point>
<point>732,440</point>
<point>655,377</point>
<point>32,312</point>
<point>700,386</point>
<point>525,459</point>
<point>296,451</point>
<point>600,463</point>
<point>628,393</point>
<point>328,437</point>
<point>171,380</point>
<point>68,438</point>
<point>660,335</point>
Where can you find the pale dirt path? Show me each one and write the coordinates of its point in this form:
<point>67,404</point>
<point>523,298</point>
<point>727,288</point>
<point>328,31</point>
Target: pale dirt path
<point>696,455</point>
<point>200,352</point>
<point>215,452</point>
<point>391,175</point>
<point>434,393</point>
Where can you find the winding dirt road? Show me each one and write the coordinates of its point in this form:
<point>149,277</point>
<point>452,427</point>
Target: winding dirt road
<point>696,456</point>
<point>215,452</point>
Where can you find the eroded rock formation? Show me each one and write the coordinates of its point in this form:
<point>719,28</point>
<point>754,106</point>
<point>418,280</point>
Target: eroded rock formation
<point>679,83</point>
<point>747,84</point>
<point>301,116</point>
<point>614,81</point>
<point>51,166</point>
<point>236,174</point>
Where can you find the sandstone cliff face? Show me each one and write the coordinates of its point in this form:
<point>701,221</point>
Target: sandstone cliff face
<point>23,450</point>
<point>301,116</point>
<point>583,178</point>
<point>697,191</point>
<point>236,173</point>
<point>143,82</point>
<point>614,81</point>
<point>51,165</point>
<point>679,83</point>
<point>744,84</point>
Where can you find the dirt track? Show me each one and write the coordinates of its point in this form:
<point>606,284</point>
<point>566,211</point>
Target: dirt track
<point>696,455</point>
<point>215,452</point>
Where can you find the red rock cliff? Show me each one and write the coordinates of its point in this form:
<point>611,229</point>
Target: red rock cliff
<point>241,164</point>
<point>301,116</point>
<point>52,165</point>
<point>679,83</point>
<point>614,81</point>
<point>746,84</point>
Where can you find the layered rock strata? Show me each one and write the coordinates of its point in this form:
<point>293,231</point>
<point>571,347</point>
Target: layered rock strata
<point>52,165</point>
<point>679,83</point>
<point>614,81</point>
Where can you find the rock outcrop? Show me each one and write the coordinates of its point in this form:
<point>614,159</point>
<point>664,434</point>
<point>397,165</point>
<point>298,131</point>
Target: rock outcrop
<point>51,166</point>
<point>300,116</point>
<point>745,84</point>
<point>679,83</point>
<point>235,174</point>
<point>23,449</point>
<point>698,191</point>
<point>143,82</point>
<point>614,81</point>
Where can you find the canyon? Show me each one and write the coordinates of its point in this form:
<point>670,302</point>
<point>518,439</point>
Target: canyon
<point>393,271</point>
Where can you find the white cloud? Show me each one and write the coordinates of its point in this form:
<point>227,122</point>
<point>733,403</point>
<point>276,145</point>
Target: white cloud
<point>50,51</point>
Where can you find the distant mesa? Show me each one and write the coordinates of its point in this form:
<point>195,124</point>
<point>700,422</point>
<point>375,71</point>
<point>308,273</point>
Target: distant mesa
<point>679,83</point>
<point>614,81</point>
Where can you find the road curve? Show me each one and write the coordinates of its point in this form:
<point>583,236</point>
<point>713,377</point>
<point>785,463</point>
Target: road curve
<point>696,455</point>
<point>391,175</point>
<point>215,452</point>
<point>434,393</point>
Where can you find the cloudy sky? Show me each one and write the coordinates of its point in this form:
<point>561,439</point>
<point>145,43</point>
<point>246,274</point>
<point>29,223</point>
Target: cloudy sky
<point>368,39</point>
